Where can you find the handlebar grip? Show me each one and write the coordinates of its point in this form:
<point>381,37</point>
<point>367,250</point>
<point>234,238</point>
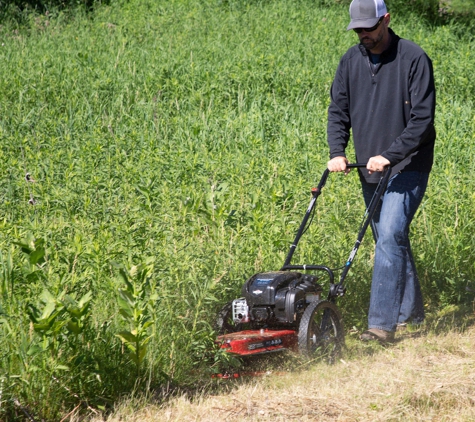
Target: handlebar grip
<point>355,165</point>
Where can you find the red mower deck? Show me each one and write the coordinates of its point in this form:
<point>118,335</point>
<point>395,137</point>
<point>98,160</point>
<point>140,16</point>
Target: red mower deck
<point>254,342</point>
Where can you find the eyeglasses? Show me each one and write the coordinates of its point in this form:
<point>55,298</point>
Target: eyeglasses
<point>374,28</point>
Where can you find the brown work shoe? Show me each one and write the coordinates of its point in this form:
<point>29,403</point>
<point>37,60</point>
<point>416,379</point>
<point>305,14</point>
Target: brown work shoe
<point>379,335</point>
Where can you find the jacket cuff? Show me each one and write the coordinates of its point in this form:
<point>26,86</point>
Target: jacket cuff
<point>337,154</point>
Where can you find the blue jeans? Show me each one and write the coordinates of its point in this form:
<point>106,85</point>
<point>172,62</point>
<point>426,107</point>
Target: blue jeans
<point>395,290</point>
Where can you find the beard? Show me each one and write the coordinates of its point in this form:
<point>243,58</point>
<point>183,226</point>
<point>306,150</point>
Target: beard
<point>371,43</point>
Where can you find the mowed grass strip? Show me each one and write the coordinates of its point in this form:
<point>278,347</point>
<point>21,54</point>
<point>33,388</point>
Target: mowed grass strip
<point>421,377</point>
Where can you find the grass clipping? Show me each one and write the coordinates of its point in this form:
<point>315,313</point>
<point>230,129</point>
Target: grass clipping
<point>420,377</point>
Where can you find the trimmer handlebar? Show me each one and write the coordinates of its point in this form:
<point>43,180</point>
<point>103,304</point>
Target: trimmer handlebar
<point>355,165</point>
<point>324,178</point>
<point>337,289</point>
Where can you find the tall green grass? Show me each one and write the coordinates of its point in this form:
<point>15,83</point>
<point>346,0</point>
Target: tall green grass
<point>173,145</point>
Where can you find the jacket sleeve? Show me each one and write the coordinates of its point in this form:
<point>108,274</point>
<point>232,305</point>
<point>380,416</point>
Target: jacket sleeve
<point>421,123</point>
<point>339,123</point>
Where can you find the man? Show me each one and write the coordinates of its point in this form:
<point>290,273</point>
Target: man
<point>384,92</point>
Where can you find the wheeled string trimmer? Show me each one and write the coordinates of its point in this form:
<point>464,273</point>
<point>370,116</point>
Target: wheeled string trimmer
<point>286,309</point>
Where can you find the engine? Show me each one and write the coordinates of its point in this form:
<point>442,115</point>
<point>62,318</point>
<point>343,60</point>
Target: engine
<point>275,299</point>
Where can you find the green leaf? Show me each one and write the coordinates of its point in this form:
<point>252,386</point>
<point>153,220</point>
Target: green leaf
<point>127,296</point>
<point>146,325</point>
<point>47,297</point>
<point>33,312</point>
<point>125,278</point>
<point>48,310</point>
<point>34,350</point>
<point>127,337</point>
<point>41,326</point>
<point>145,341</point>
<point>74,327</point>
<point>142,353</point>
<point>125,307</point>
<point>37,256</point>
<point>84,301</point>
<point>25,246</point>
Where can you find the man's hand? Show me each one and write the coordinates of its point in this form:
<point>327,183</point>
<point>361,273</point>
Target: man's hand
<point>377,163</point>
<point>338,164</point>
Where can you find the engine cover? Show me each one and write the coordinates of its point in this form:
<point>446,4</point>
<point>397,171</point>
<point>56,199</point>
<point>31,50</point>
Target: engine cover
<point>279,297</point>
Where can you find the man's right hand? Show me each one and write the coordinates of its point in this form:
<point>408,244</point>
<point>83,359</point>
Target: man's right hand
<point>338,164</point>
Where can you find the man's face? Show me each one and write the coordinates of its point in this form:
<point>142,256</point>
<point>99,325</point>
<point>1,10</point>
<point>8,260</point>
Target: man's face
<point>371,39</point>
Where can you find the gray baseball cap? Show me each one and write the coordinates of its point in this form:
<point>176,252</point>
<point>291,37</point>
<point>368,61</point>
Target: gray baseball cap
<point>366,13</point>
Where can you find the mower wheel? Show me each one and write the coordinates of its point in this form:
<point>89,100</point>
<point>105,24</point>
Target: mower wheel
<point>224,321</point>
<point>321,331</point>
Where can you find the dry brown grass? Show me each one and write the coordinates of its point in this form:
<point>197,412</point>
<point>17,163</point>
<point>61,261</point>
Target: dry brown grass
<point>422,377</point>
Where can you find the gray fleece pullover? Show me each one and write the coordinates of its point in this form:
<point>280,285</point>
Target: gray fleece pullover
<point>389,107</point>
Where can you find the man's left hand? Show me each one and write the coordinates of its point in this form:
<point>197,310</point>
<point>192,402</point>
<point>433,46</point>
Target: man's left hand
<point>377,163</point>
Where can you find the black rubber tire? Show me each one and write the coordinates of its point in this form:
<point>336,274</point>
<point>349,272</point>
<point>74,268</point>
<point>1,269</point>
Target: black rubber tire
<point>321,331</point>
<point>224,322</point>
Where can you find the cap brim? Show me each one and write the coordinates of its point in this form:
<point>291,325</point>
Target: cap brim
<point>363,23</point>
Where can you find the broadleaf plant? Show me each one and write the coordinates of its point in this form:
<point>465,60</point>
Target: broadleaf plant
<point>135,300</point>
